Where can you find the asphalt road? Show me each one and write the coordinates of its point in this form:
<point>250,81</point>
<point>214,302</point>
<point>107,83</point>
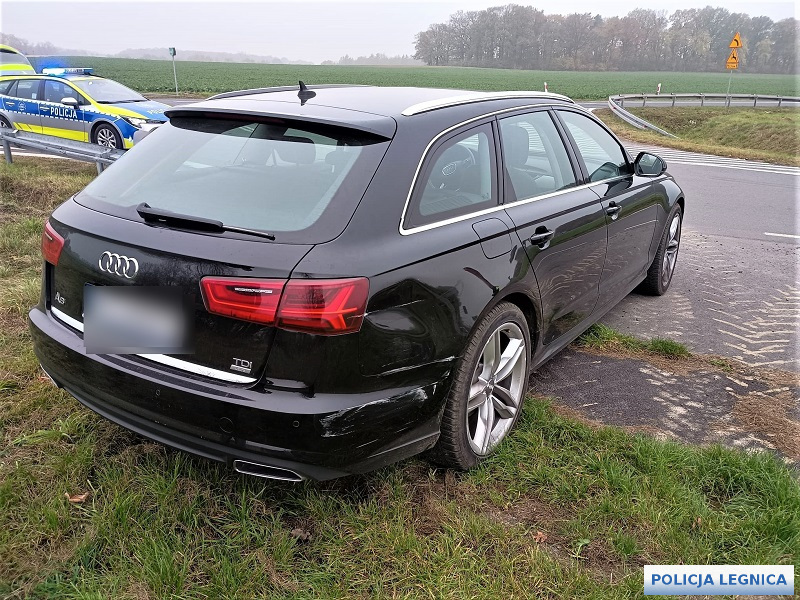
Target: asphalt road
<point>736,291</point>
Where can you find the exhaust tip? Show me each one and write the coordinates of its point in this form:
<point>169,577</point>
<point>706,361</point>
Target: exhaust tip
<point>246,467</point>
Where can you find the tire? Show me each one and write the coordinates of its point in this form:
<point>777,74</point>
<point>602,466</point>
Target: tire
<point>660,273</point>
<point>106,135</point>
<point>4,124</point>
<point>463,442</point>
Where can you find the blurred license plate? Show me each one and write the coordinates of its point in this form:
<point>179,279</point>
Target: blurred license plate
<point>136,320</point>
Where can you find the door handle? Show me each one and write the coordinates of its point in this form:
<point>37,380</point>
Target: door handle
<point>613,209</point>
<point>542,237</point>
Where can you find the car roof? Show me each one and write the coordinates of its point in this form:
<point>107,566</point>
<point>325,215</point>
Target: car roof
<point>47,76</point>
<point>386,101</point>
<point>375,109</point>
<point>77,77</point>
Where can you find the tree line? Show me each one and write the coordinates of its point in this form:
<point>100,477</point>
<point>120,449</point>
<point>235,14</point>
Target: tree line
<point>523,37</point>
<point>375,59</point>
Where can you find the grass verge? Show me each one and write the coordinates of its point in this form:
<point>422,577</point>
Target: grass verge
<point>563,510</point>
<point>770,135</point>
<point>603,337</point>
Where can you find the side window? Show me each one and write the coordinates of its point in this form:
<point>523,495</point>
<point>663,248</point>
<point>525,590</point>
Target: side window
<point>534,157</point>
<point>27,89</point>
<point>602,154</point>
<point>459,179</point>
<point>55,91</point>
<point>5,86</point>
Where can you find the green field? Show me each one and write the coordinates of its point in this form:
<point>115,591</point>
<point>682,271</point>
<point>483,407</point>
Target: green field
<point>205,78</point>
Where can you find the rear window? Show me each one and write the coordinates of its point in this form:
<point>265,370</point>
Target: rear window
<point>298,181</point>
<point>9,57</point>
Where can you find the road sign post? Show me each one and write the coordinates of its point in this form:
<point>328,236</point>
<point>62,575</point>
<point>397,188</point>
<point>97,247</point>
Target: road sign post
<point>172,53</point>
<point>732,63</point>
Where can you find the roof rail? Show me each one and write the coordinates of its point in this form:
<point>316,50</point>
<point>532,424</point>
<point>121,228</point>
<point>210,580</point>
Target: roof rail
<point>282,88</point>
<point>430,105</point>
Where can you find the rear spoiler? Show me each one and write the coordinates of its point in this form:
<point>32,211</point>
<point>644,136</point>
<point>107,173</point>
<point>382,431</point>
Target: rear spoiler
<point>281,88</point>
<point>377,125</point>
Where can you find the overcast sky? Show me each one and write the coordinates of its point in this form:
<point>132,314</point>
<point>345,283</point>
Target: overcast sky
<point>313,31</point>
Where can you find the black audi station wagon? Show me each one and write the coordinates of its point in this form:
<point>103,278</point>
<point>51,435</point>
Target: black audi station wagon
<point>306,284</point>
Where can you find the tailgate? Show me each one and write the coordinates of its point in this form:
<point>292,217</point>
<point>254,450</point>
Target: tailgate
<point>225,348</point>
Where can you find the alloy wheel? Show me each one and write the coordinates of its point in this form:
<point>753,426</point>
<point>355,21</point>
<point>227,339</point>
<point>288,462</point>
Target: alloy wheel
<point>106,137</point>
<point>497,388</point>
<point>671,252</point>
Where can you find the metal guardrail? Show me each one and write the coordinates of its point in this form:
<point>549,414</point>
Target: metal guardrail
<point>617,104</point>
<point>632,119</point>
<point>84,151</point>
<point>703,97</point>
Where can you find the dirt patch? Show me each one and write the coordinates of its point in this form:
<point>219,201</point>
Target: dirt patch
<point>137,590</point>
<point>574,414</point>
<point>532,513</point>
<point>678,366</point>
<point>768,413</point>
<point>544,520</point>
<point>655,432</point>
<point>432,490</point>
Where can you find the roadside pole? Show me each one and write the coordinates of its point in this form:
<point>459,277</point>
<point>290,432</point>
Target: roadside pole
<point>7,151</point>
<point>172,53</point>
<point>728,93</point>
<point>732,64</point>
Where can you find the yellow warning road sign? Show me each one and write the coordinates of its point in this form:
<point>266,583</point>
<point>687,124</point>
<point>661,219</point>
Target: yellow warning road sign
<point>736,42</point>
<point>733,60</point>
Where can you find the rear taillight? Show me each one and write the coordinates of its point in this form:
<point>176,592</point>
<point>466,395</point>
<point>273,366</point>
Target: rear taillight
<point>321,306</point>
<point>324,306</point>
<point>52,244</point>
<point>248,299</point>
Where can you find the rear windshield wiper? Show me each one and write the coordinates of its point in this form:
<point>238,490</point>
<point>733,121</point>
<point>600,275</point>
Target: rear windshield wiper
<point>159,215</point>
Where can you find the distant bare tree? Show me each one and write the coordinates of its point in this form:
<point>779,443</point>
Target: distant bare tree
<point>522,37</point>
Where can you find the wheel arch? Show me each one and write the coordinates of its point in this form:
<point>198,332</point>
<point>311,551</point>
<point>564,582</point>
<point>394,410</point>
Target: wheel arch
<point>522,299</point>
<point>526,304</point>
<point>100,122</point>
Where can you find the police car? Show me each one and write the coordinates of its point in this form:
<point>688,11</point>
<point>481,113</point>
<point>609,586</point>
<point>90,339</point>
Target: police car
<point>72,103</point>
<point>14,62</point>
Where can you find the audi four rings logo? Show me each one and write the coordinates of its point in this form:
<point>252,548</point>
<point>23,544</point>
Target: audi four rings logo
<point>111,262</point>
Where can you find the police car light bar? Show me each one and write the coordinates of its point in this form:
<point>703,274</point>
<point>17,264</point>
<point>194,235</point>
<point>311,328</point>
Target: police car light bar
<point>68,71</point>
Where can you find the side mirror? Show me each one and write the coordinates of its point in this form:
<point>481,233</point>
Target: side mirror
<point>73,102</point>
<point>649,165</point>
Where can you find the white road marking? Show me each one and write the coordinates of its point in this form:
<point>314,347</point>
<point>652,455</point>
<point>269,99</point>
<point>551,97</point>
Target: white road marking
<point>789,235</point>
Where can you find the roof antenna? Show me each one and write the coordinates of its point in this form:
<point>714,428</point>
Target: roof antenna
<point>305,94</point>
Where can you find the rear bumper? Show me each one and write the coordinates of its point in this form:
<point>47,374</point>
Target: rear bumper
<point>319,437</point>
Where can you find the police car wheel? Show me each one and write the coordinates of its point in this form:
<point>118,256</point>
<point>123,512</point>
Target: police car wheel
<point>5,124</point>
<point>107,136</point>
